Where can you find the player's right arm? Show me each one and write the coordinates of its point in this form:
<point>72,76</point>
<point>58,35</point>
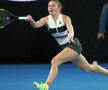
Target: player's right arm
<point>37,24</point>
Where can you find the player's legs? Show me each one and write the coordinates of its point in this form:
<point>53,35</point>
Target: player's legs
<point>81,62</point>
<point>65,55</point>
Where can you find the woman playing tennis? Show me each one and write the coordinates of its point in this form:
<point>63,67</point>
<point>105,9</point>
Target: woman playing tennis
<point>61,29</point>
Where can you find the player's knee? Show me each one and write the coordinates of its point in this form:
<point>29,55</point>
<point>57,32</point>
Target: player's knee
<point>54,61</point>
<point>95,66</point>
<point>92,67</point>
<point>88,69</point>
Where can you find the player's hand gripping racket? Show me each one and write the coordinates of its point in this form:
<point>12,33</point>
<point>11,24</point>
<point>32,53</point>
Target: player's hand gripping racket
<point>6,18</point>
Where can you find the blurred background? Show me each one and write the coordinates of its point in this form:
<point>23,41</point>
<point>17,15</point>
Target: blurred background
<point>20,43</point>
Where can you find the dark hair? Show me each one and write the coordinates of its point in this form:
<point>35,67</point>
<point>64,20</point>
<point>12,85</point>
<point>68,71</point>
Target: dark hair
<point>58,2</point>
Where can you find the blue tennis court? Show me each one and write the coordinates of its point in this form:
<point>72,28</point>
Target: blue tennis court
<point>22,76</point>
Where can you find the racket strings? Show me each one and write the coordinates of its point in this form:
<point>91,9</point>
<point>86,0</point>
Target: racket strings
<point>4,18</point>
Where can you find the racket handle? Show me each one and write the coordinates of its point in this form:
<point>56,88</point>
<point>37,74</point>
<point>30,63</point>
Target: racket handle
<point>22,18</point>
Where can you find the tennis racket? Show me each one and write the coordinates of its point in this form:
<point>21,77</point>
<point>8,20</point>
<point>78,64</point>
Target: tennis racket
<point>6,18</point>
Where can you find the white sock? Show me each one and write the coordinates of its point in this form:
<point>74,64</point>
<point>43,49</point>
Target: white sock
<point>95,62</point>
<point>47,86</point>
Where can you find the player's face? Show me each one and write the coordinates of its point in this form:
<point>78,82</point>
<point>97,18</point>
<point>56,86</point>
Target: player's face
<point>53,8</point>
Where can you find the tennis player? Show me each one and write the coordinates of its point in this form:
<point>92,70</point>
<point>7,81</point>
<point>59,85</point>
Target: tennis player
<point>61,29</point>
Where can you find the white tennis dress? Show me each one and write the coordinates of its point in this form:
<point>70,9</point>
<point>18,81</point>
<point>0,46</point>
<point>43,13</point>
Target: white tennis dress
<point>58,30</point>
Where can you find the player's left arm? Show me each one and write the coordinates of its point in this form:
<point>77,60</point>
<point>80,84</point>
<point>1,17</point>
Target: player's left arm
<point>69,26</point>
